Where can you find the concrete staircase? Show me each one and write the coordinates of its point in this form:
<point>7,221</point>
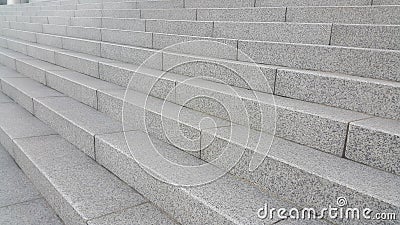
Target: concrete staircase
<point>317,81</point>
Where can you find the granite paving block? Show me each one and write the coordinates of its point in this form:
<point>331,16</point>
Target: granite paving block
<point>117,73</point>
<point>142,214</point>
<point>23,35</point>
<point>348,15</point>
<point>239,74</point>
<point>376,97</point>
<point>86,21</point>
<point>219,4</point>
<point>88,13</point>
<point>17,46</point>
<point>78,62</point>
<point>276,32</point>
<point>317,126</point>
<point>89,6</point>
<point>375,142</point>
<point>295,172</point>
<point>136,55</point>
<point>268,3</point>
<point>36,69</point>
<point>39,19</point>
<point>6,72</point>
<point>370,63</point>
<point>120,5</point>
<point>33,27</point>
<point>125,37</point>
<point>15,187</point>
<point>15,122</point>
<point>124,24</point>
<point>42,52</point>
<point>76,122</point>
<point>50,40</point>
<point>122,13</point>
<point>74,185</point>
<point>81,45</point>
<point>55,29</point>
<point>164,120</point>
<point>169,14</point>
<point>160,4</point>
<point>78,86</point>
<point>192,28</point>
<point>84,33</point>
<point>24,90</point>
<point>385,2</point>
<point>24,19</point>
<point>31,212</point>
<point>9,58</point>
<point>199,46</point>
<point>58,20</point>
<point>214,199</point>
<point>63,13</point>
<point>366,36</point>
<point>271,14</point>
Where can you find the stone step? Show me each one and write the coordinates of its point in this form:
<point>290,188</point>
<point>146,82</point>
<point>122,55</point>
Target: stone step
<point>108,99</point>
<point>343,15</point>
<point>76,187</point>
<point>379,36</point>
<point>39,155</point>
<point>271,81</point>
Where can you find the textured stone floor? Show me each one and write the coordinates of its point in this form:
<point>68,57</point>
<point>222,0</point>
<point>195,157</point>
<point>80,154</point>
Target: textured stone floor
<point>20,203</point>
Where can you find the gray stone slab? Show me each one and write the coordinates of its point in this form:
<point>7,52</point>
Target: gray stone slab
<point>164,120</point>
<point>33,27</point>
<point>348,15</point>
<point>142,214</point>
<point>23,35</point>
<point>84,32</point>
<point>124,24</point>
<point>120,5</point>
<point>121,13</point>
<point>78,86</point>
<point>160,4</point>
<point>76,122</point>
<point>352,61</point>
<point>199,46</point>
<point>269,3</point>
<point>134,38</point>
<point>238,74</point>
<point>51,40</point>
<point>31,212</point>
<point>15,122</point>
<point>215,200</point>
<point>375,142</point>
<point>219,4</point>
<point>86,21</point>
<point>243,14</point>
<point>82,45</point>
<point>169,14</point>
<point>36,69</point>
<point>15,187</point>
<point>39,19</point>
<point>366,36</point>
<point>88,13</point>
<point>136,55</point>
<point>6,72</point>
<point>55,29</point>
<point>9,58</point>
<point>385,2</point>
<point>74,185</point>
<point>41,52</point>
<point>192,28</point>
<point>376,97</point>
<point>17,46</point>
<point>58,20</point>
<point>24,90</point>
<point>275,32</point>
<point>78,62</point>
